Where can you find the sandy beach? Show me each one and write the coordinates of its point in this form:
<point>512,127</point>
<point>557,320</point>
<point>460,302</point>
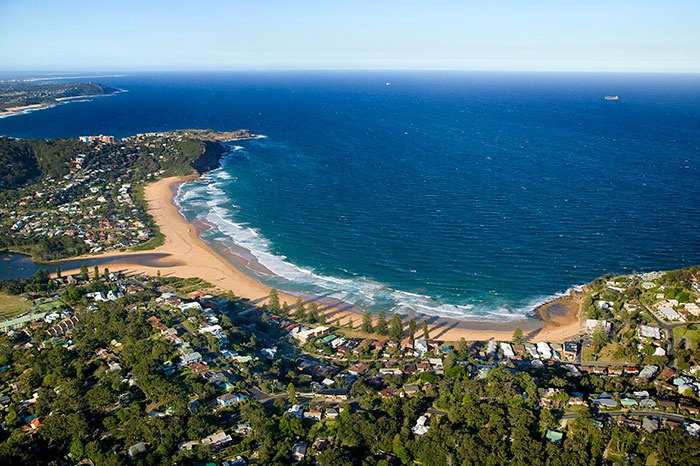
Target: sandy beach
<point>185,255</point>
<point>18,110</point>
<point>25,108</point>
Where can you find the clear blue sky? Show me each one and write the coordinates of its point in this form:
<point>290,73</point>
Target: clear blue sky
<point>127,35</point>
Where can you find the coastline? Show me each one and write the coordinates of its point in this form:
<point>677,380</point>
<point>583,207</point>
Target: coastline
<point>11,111</point>
<point>184,254</point>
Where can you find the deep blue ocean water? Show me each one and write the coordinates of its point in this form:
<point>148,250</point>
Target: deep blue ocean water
<point>466,194</point>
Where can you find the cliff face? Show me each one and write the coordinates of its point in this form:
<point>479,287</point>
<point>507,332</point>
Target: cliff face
<point>210,157</point>
<point>212,148</point>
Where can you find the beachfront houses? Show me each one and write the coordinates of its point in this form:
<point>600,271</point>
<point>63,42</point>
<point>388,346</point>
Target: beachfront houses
<point>303,336</point>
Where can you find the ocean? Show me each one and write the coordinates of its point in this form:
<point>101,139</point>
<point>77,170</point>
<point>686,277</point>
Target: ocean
<point>461,194</point>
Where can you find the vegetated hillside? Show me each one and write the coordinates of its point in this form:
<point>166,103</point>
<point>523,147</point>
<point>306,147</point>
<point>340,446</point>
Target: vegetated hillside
<point>19,165</point>
<point>22,93</point>
<point>26,161</point>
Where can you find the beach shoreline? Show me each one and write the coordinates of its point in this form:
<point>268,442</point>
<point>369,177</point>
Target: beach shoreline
<point>20,110</point>
<point>184,254</point>
<point>11,111</point>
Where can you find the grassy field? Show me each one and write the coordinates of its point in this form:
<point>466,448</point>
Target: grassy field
<point>12,306</point>
<point>606,354</point>
<point>187,285</point>
<point>690,332</point>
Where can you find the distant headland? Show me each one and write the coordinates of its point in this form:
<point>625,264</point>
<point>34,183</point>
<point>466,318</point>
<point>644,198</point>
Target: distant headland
<point>18,96</point>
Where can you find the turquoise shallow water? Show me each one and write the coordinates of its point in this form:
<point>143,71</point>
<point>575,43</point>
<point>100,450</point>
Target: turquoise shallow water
<point>473,195</point>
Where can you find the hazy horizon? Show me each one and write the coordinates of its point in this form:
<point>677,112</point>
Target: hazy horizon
<point>131,36</point>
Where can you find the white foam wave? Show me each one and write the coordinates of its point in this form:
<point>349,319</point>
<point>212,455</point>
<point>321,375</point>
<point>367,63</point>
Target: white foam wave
<point>223,175</point>
<point>27,110</point>
<point>213,206</point>
<point>412,295</point>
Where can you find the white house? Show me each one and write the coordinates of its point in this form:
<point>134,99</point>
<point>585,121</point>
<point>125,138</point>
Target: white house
<point>544,350</point>
<point>507,350</point>
<point>219,438</point>
<point>296,411</point>
<point>491,348</point>
<point>190,358</point>
<point>187,307</point>
<point>669,313</point>
<point>229,399</point>
<point>421,427</point>
<point>647,331</point>
<point>420,346</point>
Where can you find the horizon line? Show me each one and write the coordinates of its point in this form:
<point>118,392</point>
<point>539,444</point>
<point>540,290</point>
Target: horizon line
<point>123,72</point>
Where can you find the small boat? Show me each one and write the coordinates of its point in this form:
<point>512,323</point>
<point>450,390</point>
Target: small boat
<point>612,97</point>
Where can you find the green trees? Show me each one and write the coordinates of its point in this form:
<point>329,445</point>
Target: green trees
<point>77,449</point>
<point>396,327</point>
<point>292,393</point>
<point>381,327</point>
<point>412,329</point>
<point>518,337</point>
<point>424,326</point>
<point>313,313</point>
<point>57,247</point>
<point>40,281</point>
<point>26,160</point>
<point>12,418</point>
<point>19,164</point>
<point>599,337</point>
<point>299,310</point>
<point>462,349</point>
<point>589,308</point>
<point>334,456</point>
<point>273,301</point>
<point>367,322</point>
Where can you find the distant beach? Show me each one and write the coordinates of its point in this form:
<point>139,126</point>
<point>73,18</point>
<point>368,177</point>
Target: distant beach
<point>24,109</point>
<point>185,255</point>
<point>12,111</point>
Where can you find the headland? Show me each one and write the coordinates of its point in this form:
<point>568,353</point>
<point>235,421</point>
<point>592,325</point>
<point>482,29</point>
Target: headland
<point>21,96</point>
